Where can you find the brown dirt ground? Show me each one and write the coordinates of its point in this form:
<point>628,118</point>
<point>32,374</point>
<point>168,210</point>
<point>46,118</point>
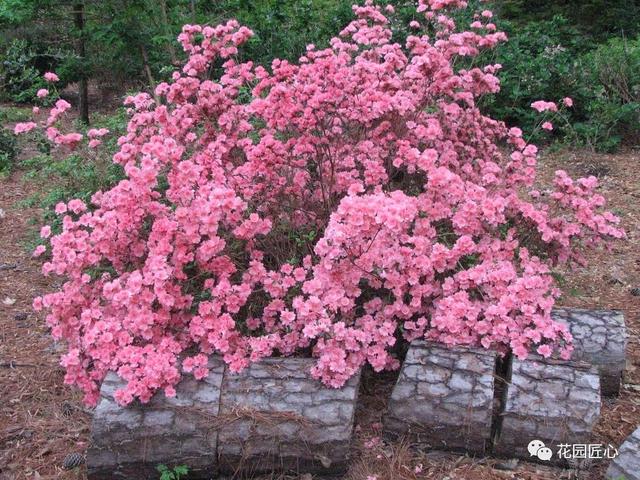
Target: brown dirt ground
<point>42,420</point>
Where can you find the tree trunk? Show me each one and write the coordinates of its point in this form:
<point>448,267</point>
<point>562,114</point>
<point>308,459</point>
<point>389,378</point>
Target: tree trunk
<point>148,73</point>
<point>83,106</point>
<point>167,31</point>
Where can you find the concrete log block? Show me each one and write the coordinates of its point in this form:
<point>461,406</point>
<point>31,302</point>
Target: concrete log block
<point>626,466</point>
<point>443,398</point>
<point>552,401</point>
<point>600,339</point>
<point>129,442</point>
<point>275,417</point>
<point>271,417</point>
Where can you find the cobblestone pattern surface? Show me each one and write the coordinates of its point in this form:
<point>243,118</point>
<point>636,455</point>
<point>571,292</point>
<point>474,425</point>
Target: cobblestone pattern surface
<point>130,442</point>
<point>548,400</point>
<point>276,417</point>
<point>627,464</point>
<point>600,338</point>
<point>443,398</point>
<point>271,417</point>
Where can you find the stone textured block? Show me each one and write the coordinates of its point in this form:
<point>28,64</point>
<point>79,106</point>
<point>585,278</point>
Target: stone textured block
<point>271,417</point>
<point>552,401</point>
<point>443,398</point>
<point>275,417</point>
<point>130,442</point>
<point>600,339</point>
<point>627,464</point>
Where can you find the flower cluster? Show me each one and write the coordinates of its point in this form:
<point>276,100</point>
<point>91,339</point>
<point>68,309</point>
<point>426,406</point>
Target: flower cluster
<point>331,207</point>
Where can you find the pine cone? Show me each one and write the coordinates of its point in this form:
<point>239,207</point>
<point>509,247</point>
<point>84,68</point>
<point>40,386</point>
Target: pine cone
<point>67,409</point>
<point>72,461</point>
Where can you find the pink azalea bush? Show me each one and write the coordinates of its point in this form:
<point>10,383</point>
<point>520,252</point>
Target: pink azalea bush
<point>330,207</point>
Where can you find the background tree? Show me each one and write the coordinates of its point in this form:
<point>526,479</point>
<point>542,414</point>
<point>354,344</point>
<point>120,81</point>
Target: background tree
<point>131,44</point>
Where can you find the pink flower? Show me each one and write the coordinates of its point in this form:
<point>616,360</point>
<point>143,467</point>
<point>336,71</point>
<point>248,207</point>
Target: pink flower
<point>62,105</point>
<point>544,350</point>
<point>43,92</point>
<point>51,77</point>
<point>40,249</point>
<point>521,352</point>
<point>547,126</point>
<point>77,206</point>
<point>568,102</point>
<point>543,106</point>
<point>45,232</point>
<point>308,221</point>
<point>96,133</point>
<point>69,139</point>
<point>24,127</point>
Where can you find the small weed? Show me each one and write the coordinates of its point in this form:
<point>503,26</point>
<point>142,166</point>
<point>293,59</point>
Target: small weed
<point>175,473</point>
<point>14,114</point>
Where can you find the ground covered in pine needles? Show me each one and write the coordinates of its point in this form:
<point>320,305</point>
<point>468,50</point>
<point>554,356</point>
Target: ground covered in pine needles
<point>42,420</point>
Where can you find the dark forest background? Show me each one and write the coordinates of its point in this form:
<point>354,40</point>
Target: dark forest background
<point>588,50</point>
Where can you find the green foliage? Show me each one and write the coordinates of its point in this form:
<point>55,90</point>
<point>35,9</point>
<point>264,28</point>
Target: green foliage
<point>538,63</point>
<point>175,473</point>
<point>609,82</point>
<point>19,78</point>
<point>8,150</point>
<point>78,175</point>
<point>14,12</point>
<point>11,113</point>
<point>599,19</point>
<point>552,59</point>
<point>283,28</point>
<point>556,49</point>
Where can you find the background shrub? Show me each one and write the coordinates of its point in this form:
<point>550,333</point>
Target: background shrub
<point>19,77</point>
<point>78,175</point>
<point>539,62</point>
<point>8,150</point>
<point>609,81</point>
<point>133,44</point>
<point>597,19</point>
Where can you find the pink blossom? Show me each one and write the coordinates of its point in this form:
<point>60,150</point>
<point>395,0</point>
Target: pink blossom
<point>39,250</point>
<point>24,127</point>
<point>77,206</point>
<point>97,132</point>
<point>51,77</point>
<point>60,208</point>
<point>543,106</point>
<point>544,350</point>
<point>43,92</point>
<point>568,102</point>
<point>322,211</point>
<point>69,139</point>
<point>45,231</point>
<point>547,126</point>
